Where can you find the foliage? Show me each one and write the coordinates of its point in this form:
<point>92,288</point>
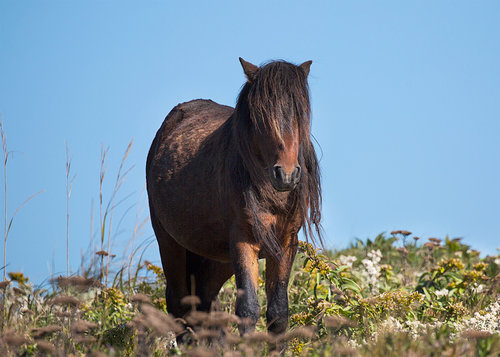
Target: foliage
<point>375,297</point>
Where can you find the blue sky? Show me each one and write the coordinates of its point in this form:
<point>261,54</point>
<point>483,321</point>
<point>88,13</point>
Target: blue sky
<point>405,100</point>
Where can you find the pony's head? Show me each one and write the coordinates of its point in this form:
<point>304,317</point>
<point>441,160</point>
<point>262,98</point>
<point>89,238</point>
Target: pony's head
<point>275,104</point>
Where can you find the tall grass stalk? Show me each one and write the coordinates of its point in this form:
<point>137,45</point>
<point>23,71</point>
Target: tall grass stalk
<point>92,256</point>
<point>69,187</point>
<point>120,178</point>
<point>102,174</point>
<point>137,228</point>
<point>106,213</point>
<point>8,225</point>
<point>5,158</point>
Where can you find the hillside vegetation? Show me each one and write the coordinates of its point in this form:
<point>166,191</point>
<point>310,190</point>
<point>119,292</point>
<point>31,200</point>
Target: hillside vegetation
<point>390,296</point>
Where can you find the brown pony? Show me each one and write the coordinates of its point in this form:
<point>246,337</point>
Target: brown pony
<point>229,186</point>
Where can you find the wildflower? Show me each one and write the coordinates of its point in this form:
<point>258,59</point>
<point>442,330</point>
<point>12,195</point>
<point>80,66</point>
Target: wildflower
<point>488,321</point>
<point>442,292</point>
<point>451,264</point>
<point>102,253</point>
<point>372,269</point>
<point>480,266</point>
<point>299,318</point>
<point>474,275</point>
<point>4,284</point>
<point>457,310</point>
<point>18,277</point>
<point>347,260</point>
<point>435,240</point>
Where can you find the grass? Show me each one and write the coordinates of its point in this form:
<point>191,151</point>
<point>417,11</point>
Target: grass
<point>393,295</point>
<point>370,299</point>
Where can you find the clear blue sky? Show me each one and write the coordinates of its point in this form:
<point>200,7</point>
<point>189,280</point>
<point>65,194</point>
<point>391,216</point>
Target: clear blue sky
<point>405,98</point>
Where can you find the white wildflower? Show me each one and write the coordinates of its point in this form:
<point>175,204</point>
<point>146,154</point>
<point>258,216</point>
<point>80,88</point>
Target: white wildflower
<point>389,326</point>
<point>372,269</point>
<point>417,328</point>
<point>477,288</point>
<point>488,321</point>
<point>347,260</point>
<point>442,292</point>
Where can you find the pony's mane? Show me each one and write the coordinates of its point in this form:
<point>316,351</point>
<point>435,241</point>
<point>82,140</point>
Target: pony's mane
<point>272,102</point>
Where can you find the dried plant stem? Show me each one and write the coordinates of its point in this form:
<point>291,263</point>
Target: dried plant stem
<point>92,257</point>
<point>137,227</point>
<point>120,178</point>
<point>69,186</point>
<point>102,174</point>
<point>5,158</point>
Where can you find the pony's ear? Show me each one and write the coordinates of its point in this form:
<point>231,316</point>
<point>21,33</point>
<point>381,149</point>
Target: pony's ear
<point>249,69</point>
<point>306,66</point>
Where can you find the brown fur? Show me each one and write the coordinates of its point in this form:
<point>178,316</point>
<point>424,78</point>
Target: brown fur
<point>213,207</point>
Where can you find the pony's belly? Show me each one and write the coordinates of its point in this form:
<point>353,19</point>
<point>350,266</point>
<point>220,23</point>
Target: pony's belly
<point>210,241</point>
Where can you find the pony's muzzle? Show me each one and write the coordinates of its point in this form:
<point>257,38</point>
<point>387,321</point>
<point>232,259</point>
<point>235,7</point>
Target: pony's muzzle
<point>283,181</point>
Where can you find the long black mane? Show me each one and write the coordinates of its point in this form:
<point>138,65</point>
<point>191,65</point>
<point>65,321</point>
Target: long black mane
<point>273,102</point>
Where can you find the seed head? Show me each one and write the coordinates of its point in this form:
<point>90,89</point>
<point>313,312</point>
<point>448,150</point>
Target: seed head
<point>190,300</point>
<point>45,346</point>
<point>13,339</point>
<point>336,322</point>
<point>64,300</point>
<point>142,298</point>
<point>80,326</point>
<point>475,334</point>
<point>44,331</point>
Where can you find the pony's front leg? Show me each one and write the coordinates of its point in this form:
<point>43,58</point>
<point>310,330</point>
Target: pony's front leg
<point>277,276</point>
<point>245,259</point>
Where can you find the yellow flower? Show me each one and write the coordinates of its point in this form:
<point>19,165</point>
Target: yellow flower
<point>480,266</point>
<point>19,277</point>
<point>450,264</point>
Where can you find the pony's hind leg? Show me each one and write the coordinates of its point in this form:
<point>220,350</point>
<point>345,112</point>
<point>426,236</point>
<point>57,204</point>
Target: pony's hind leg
<point>173,259</point>
<point>205,278</point>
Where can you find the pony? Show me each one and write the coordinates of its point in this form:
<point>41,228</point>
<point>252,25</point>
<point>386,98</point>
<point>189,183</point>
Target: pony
<point>229,186</point>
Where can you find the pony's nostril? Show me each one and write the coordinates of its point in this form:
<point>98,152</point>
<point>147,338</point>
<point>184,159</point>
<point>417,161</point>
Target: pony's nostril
<point>297,171</point>
<point>278,172</point>
<point>296,174</point>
